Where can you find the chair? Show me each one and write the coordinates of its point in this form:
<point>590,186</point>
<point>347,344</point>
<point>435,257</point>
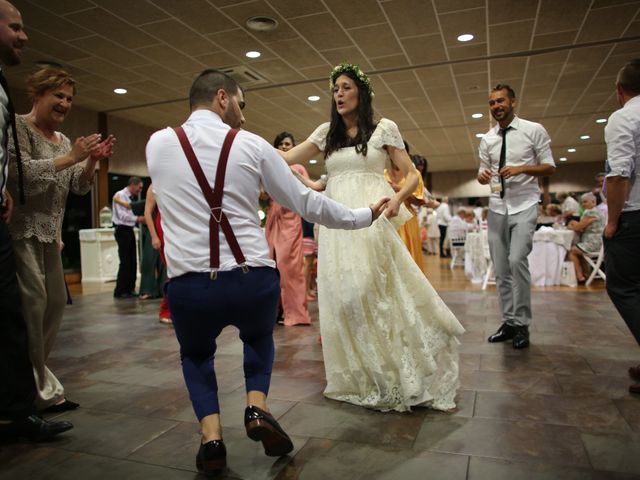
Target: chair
<point>457,241</point>
<point>490,275</point>
<point>594,259</point>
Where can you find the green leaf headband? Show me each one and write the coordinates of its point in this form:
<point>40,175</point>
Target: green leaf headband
<point>355,70</point>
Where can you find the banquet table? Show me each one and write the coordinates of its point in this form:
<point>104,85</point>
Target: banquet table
<point>550,247</point>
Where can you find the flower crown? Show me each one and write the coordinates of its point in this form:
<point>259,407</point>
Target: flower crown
<point>355,70</point>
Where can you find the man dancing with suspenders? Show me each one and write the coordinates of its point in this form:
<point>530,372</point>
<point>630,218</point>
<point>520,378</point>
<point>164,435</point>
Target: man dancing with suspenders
<point>217,256</point>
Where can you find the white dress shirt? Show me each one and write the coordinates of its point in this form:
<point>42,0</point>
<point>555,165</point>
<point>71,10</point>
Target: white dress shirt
<point>570,207</point>
<point>528,143</point>
<point>252,163</point>
<point>443,214</point>
<point>122,215</point>
<point>622,135</point>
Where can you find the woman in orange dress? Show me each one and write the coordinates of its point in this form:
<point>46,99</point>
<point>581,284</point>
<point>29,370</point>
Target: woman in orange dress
<point>410,231</point>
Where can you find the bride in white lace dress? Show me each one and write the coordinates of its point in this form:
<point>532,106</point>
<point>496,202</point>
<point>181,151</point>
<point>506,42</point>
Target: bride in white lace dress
<point>389,341</point>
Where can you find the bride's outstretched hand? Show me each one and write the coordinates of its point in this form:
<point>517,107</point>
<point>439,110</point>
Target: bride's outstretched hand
<point>393,207</point>
<point>378,207</point>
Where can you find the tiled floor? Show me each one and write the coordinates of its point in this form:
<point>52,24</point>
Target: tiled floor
<point>557,410</point>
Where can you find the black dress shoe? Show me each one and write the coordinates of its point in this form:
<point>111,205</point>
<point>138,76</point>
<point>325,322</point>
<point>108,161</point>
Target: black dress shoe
<point>262,427</point>
<point>521,338</point>
<point>62,407</point>
<point>504,333</point>
<point>212,457</point>
<point>34,428</point>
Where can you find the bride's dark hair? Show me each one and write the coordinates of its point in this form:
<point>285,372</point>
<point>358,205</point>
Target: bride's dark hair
<point>337,137</point>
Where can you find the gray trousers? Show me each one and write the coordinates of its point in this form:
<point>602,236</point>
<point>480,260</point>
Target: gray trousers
<point>510,242</point>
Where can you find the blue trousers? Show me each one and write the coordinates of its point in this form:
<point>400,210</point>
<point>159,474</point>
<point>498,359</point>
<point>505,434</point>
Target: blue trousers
<point>201,308</point>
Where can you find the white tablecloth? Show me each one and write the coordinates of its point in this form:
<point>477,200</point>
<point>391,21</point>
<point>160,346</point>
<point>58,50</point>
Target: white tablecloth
<point>549,251</point>
<point>476,256</point>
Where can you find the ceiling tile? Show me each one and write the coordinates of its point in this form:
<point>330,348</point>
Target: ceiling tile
<point>36,18</point>
<point>238,42</point>
<point>561,16</point>
<point>472,83</point>
<point>165,55</point>
<point>61,6</point>
<point>357,14</point>
<point>101,22</point>
<point>375,41</point>
<point>179,36</point>
<point>424,49</point>
<point>346,54</point>
<point>297,8</point>
<point>55,50</point>
<point>449,6</point>
<point>467,21</point>
<point>317,72</point>
<point>111,51</point>
<point>411,17</point>
<point>504,11</point>
<point>433,77</point>
<point>605,23</point>
<point>297,52</point>
<point>470,67</point>
<point>508,67</point>
<point>549,40</point>
<point>389,62</point>
<point>460,52</point>
<point>197,14</point>
<point>277,71</point>
<point>134,12</point>
<point>322,31</point>
<point>218,59</point>
<point>164,76</point>
<point>510,37</point>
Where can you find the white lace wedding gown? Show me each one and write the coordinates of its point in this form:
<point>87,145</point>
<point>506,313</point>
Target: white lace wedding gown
<point>389,341</point>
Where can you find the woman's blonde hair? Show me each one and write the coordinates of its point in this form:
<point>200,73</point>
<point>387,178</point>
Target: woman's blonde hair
<point>46,79</point>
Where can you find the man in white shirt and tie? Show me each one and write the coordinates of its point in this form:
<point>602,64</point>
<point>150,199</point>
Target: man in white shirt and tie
<point>221,278</point>
<point>443,214</point>
<point>622,233</point>
<point>512,155</point>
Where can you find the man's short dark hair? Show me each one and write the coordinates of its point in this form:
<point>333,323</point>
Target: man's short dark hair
<point>207,84</point>
<point>503,86</point>
<point>629,77</point>
<point>134,181</point>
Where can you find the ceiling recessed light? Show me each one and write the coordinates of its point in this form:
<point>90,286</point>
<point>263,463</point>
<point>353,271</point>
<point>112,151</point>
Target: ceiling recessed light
<point>563,159</point>
<point>313,98</point>
<point>465,37</point>
<point>120,91</point>
<point>253,54</point>
<point>261,215</point>
<point>313,162</point>
<point>601,120</point>
<point>584,137</point>
<point>479,135</point>
<point>477,115</point>
<point>571,150</point>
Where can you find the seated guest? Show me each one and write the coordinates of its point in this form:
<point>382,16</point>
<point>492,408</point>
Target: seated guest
<point>470,220</point>
<point>590,227</point>
<point>458,226</point>
<point>549,215</point>
<point>569,206</point>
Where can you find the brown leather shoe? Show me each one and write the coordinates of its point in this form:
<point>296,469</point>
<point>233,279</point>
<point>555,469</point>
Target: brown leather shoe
<point>634,372</point>
<point>262,427</point>
<point>635,388</point>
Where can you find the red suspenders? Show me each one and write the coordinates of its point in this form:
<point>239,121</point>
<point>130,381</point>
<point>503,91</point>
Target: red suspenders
<point>218,218</point>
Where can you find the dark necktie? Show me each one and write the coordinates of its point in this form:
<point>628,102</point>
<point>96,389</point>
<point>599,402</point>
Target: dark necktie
<point>503,157</point>
<point>14,132</point>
